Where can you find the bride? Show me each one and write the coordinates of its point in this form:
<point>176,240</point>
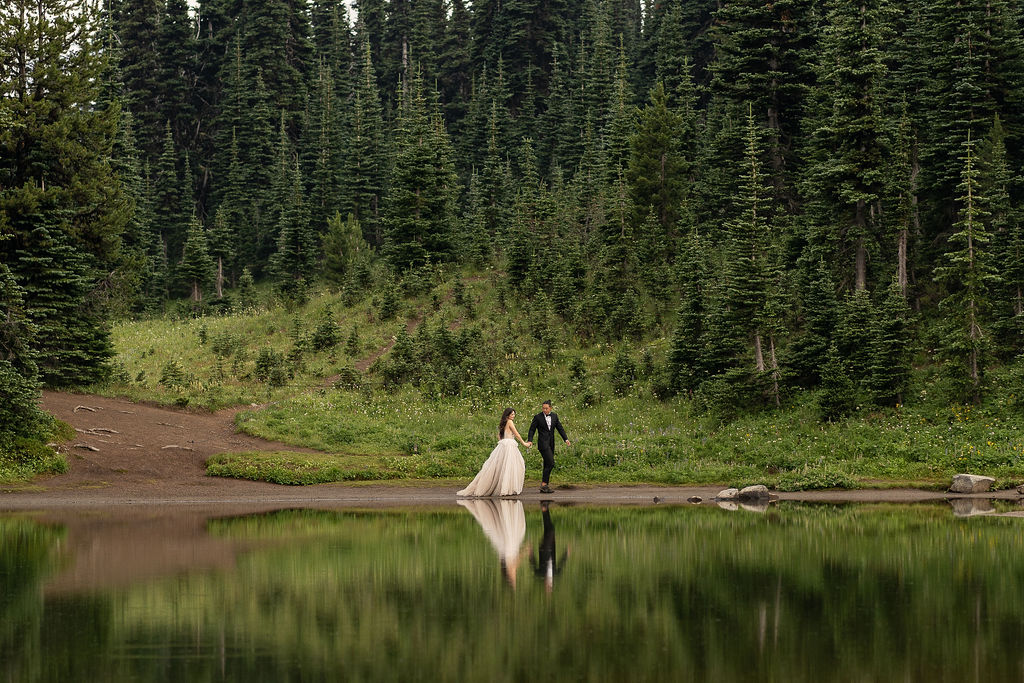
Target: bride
<point>503,472</point>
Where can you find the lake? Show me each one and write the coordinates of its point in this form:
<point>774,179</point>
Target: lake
<point>506,591</point>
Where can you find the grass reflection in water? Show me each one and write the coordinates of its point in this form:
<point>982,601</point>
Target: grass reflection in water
<point>806,593</point>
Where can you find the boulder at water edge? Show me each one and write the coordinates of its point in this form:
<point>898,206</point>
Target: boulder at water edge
<point>971,483</point>
<point>728,494</point>
<point>757,492</point>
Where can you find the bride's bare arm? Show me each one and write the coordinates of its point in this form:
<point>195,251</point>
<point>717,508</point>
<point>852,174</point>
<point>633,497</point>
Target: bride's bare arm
<point>516,432</point>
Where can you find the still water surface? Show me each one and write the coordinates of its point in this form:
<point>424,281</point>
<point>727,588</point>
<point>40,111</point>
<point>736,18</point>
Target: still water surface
<point>499,590</point>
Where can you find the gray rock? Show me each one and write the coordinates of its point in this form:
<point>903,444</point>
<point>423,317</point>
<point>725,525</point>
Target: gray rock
<point>969,507</point>
<point>971,483</point>
<point>757,492</point>
<point>728,494</point>
<point>1020,489</point>
<point>728,505</point>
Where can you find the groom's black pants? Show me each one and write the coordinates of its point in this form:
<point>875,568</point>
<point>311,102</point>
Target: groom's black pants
<point>548,454</point>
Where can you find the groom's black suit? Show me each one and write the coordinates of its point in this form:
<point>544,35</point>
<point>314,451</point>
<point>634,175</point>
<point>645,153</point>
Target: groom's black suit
<point>546,440</point>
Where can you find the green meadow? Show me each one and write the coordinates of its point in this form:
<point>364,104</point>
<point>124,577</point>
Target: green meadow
<point>428,408</point>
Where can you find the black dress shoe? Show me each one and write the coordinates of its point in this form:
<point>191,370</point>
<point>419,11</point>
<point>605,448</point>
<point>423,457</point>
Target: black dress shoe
<point>546,489</point>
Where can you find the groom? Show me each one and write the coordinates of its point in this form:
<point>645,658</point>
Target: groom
<point>545,423</point>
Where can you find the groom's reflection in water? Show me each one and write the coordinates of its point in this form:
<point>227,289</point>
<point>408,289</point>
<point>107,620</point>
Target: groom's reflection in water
<point>504,524</point>
<point>545,565</point>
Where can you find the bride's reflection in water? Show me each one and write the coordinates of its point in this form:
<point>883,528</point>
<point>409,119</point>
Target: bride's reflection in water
<point>504,524</point>
<point>545,566</point>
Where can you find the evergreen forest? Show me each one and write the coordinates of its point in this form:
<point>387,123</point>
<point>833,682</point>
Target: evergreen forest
<point>782,199</point>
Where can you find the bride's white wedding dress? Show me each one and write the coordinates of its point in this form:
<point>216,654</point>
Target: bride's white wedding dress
<point>502,473</point>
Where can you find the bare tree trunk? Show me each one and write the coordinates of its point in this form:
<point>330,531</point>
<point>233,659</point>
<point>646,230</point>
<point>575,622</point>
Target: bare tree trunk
<point>861,266</point>
<point>901,262</point>
<point>220,277</point>
<point>775,370</point>
<point>915,169</point>
<point>861,258</point>
<point>758,353</point>
<point>197,294</point>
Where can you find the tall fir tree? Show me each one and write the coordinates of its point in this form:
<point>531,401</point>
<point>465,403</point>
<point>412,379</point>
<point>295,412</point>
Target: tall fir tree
<point>657,166</point>
<point>419,214</point>
<point>63,206</point>
<point>292,265</point>
<point>136,23</point>
<point>176,51</point>
<point>850,136</point>
<point>197,268</point>
<point>969,277</point>
<point>366,157</point>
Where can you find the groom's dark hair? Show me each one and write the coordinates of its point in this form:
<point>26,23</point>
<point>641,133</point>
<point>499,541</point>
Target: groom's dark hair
<point>546,403</point>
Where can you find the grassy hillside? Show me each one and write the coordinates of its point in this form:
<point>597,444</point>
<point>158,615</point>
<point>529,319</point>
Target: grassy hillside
<point>417,392</point>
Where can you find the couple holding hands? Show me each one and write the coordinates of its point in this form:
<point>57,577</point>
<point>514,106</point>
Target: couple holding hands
<point>504,471</point>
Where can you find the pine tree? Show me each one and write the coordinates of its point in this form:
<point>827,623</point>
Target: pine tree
<point>684,363</point>
<point>972,56</point>
<point>136,23</point>
<point>322,149</point>
<point>819,315</point>
<point>261,165</point>
<point>332,40</point>
<point>762,59</point>
<point>749,267</point>
<point>221,242</point>
<point>292,265</point>
<point>621,122</point>
<point>456,68</point>
<point>168,203</point>
<point>969,277</point>
<point>365,160</point>
<point>847,151</point>
<point>19,380</point>
<point>276,42</point>
<point>1005,225</point>
<point>495,183</point>
<point>856,330</point>
<point>838,397</point>
<point>197,266</point>
<point>176,56</point>
<point>657,168</point>
<point>137,241</point>
<point>17,332</point>
<point>63,207</point>
<point>343,246</point>
<point>889,368</point>
<point>420,210</point>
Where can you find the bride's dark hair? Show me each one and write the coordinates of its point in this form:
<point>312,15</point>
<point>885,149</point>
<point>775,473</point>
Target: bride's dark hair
<point>504,419</point>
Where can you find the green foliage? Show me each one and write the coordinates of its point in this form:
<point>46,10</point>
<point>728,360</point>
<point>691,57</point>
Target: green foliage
<point>327,335</point>
<point>624,372</point>
<point>838,395</point>
<point>270,368</point>
<point>173,375</point>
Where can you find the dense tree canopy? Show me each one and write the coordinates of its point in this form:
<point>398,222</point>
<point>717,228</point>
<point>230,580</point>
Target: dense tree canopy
<point>745,179</point>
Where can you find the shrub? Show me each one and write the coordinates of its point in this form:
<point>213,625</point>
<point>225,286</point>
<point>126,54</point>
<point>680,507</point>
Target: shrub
<point>623,372</point>
<point>326,335</point>
<point>224,344</point>
<point>348,378</point>
<point>270,368</point>
<point>173,375</point>
<point>352,346</point>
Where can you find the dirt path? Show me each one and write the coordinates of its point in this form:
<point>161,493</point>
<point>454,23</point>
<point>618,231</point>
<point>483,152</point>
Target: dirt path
<point>131,454</point>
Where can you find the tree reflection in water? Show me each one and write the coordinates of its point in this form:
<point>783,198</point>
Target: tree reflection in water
<point>801,592</point>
